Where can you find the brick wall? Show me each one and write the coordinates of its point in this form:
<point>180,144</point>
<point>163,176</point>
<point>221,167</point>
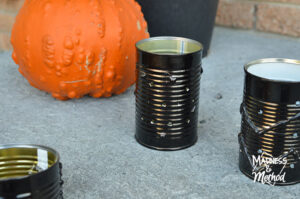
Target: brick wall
<point>276,16</point>
<point>8,11</point>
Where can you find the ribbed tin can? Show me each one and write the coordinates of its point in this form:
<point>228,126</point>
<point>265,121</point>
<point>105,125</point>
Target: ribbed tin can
<point>167,92</point>
<point>270,128</point>
<point>30,171</point>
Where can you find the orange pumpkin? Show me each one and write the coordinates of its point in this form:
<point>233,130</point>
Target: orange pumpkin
<point>73,48</point>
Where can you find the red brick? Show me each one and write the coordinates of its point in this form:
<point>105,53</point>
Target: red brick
<point>278,18</point>
<point>11,5</point>
<point>283,1</point>
<point>5,41</point>
<point>6,22</point>
<point>238,14</point>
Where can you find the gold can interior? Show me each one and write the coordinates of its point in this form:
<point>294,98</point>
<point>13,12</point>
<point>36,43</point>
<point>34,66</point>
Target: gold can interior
<point>169,45</point>
<point>22,161</point>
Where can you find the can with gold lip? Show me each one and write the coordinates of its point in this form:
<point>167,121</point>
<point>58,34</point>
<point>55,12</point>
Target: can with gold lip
<point>30,171</point>
<point>167,92</point>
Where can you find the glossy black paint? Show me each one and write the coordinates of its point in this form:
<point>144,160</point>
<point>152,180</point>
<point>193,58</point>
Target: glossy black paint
<point>159,100</point>
<point>43,185</point>
<point>272,91</point>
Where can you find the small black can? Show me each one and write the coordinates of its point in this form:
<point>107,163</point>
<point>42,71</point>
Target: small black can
<point>167,92</point>
<point>270,128</point>
<point>30,171</point>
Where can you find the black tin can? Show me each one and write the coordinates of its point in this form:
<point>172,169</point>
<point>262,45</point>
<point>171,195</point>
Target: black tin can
<point>30,171</point>
<point>270,128</point>
<point>167,92</point>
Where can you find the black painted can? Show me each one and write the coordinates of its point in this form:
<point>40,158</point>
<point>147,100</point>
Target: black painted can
<point>270,129</point>
<point>193,19</point>
<point>167,92</point>
<point>30,171</point>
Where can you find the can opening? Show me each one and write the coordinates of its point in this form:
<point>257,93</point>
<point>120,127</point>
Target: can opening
<point>275,69</point>
<point>169,45</point>
<point>24,160</point>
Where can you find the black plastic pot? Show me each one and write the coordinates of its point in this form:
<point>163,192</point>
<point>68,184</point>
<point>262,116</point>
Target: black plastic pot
<point>192,19</point>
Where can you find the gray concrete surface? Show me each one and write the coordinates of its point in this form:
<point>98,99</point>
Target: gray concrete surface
<point>95,137</point>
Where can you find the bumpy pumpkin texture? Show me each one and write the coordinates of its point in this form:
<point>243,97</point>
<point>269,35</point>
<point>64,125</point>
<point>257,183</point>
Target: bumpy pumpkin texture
<point>71,48</point>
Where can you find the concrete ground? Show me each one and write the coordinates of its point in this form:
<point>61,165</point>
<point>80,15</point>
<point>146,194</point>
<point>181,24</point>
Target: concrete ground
<point>95,137</point>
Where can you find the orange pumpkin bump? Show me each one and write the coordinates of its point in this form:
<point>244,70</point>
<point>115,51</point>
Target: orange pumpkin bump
<point>79,47</point>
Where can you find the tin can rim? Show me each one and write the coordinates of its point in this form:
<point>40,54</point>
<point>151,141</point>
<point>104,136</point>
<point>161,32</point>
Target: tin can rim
<point>30,146</point>
<point>271,60</point>
<point>169,38</point>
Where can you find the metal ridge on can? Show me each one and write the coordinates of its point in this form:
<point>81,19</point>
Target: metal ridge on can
<point>30,171</point>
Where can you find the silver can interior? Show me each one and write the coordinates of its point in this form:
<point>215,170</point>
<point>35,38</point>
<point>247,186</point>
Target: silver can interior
<point>286,71</point>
